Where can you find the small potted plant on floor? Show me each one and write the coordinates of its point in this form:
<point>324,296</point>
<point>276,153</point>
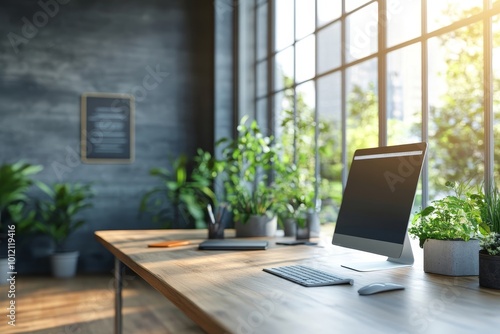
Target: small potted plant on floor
<point>489,255</point>
<point>57,217</point>
<point>448,230</point>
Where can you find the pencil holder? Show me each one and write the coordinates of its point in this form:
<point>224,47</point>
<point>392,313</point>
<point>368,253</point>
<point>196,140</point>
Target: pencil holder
<point>216,230</point>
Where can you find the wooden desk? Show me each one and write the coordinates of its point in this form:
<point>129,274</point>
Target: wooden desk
<point>227,291</point>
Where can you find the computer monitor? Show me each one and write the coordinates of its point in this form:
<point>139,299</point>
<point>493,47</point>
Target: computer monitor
<point>377,203</point>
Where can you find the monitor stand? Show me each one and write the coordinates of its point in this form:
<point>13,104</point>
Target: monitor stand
<point>405,260</point>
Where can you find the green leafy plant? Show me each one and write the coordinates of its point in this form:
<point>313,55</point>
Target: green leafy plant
<point>15,180</point>
<point>295,194</point>
<point>454,217</point>
<point>181,194</point>
<point>490,244</point>
<point>57,215</point>
<point>247,163</point>
<point>490,215</point>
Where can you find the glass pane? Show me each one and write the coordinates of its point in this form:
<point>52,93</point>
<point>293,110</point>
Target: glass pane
<point>444,12</point>
<point>362,32</point>
<point>362,107</point>
<point>262,78</point>
<point>305,64</point>
<point>328,10</point>
<point>404,95</point>
<point>283,18</point>
<point>262,116</point>
<point>304,139</point>
<point>456,131</point>
<point>329,48</point>
<point>330,145</point>
<point>283,69</point>
<point>404,101</point>
<point>496,93</point>
<point>305,18</point>
<point>305,129</point>
<point>283,122</point>
<point>353,4</point>
<point>262,31</point>
<point>403,21</point>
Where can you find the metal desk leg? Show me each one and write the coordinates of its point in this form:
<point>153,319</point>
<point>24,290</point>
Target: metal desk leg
<point>118,296</point>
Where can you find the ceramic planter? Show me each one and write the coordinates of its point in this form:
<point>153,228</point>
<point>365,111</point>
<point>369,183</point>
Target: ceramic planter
<point>63,264</point>
<point>451,257</point>
<point>257,226</point>
<point>290,227</point>
<point>489,271</point>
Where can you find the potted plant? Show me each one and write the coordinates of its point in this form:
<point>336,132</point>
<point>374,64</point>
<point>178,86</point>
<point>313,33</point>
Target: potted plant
<point>489,255</point>
<point>181,196</point>
<point>296,201</point>
<point>15,180</point>
<point>57,217</point>
<point>247,164</point>
<point>448,230</point>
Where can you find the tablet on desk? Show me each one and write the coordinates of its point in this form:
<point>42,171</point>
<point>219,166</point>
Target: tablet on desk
<point>226,244</point>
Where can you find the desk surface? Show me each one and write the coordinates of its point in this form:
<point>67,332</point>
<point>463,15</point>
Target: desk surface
<point>227,291</point>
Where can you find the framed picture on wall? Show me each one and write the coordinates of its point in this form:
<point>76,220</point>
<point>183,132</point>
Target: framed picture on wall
<point>107,128</point>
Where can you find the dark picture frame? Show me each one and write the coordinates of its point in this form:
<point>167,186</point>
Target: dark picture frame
<point>107,128</point>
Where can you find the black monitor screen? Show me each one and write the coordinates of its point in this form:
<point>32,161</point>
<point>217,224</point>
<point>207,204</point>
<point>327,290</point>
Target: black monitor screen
<point>379,193</point>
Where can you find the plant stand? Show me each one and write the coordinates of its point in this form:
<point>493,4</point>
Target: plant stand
<point>64,264</point>
<point>489,271</point>
<point>257,226</point>
<point>451,257</point>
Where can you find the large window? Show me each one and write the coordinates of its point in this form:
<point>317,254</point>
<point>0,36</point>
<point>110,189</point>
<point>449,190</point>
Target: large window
<point>349,74</point>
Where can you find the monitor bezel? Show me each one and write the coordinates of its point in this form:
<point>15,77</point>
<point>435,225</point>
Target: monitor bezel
<point>399,254</point>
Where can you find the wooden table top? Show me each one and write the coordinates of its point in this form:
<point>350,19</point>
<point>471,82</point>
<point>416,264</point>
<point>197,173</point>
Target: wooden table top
<point>227,291</point>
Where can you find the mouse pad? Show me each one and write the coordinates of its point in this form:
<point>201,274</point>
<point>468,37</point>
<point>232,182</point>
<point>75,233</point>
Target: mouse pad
<point>233,245</point>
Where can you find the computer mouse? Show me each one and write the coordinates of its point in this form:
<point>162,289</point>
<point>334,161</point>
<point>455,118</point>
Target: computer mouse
<point>373,288</point>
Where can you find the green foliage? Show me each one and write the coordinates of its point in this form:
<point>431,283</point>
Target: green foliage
<point>180,194</point>
<point>294,195</point>
<point>57,216</point>
<point>457,123</point>
<point>15,180</point>
<point>490,208</point>
<point>490,244</point>
<point>362,119</point>
<point>490,215</point>
<point>453,217</point>
<point>247,162</point>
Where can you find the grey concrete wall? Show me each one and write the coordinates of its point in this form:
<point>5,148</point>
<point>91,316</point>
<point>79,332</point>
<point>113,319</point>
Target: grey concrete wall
<point>53,51</point>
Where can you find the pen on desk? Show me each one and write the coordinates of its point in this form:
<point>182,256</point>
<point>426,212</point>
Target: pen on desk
<point>210,213</point>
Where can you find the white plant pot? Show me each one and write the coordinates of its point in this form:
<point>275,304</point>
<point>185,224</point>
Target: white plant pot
<point>451,257</point>
<point>257,226</point>
<point>64,264</point>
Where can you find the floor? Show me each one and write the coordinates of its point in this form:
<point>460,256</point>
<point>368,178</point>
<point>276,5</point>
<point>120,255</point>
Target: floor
<point>85,304</point>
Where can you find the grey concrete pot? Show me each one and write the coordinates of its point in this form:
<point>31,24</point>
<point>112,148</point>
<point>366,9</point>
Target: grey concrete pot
<point>451,257</point>
<point>257,226</point>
